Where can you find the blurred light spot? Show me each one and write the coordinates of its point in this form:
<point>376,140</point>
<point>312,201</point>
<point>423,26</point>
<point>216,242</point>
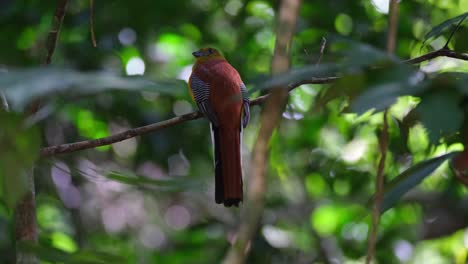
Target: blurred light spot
<point>171,48</point>
<point>61,175</point>
<point>276,237</point>
<point>331,141</point>
<point>355,231</point>
<point>325,219</point>
<point>354,150</point>
<point>403,250</point>
<point>416,78</point>
<point>261,9</point>
<point>465,238</point>
<point>70,196</point>
<point>341,187</point>
<point>252,21</point>
<point>135,66</point>
<point>263,37</point>
<point>113,218</point>
<point>232,7</point>
<point>292,115</point>
<point>202,4</point>
<point>135,212</point>
<point>177,217</point>
<point>152,237</point>
<point>315,184</point>
<point>127,36</point>
<point>151,170</point>
<point>178,164</point>
<point>181,107</point>
<point>50,217</point>
<point>443,63</point>
<point>150,96</point>
<point>381,6</point>
<point>343,24</point>
<point>185,73</point>
<point>125,148</point>
<point>63,242</point>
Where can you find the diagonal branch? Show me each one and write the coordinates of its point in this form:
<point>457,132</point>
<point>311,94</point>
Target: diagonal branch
<point>444,52</point>
<point>269,120</point>
<point>55,30</point>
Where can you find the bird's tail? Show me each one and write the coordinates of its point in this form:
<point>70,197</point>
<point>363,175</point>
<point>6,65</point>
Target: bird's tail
<point>228,170</point>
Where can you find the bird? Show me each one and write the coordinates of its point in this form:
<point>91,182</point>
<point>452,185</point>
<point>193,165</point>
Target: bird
<point>222,97</point>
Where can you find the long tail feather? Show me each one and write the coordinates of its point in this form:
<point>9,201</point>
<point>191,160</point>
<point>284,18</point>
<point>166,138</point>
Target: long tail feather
<point>228,170</point>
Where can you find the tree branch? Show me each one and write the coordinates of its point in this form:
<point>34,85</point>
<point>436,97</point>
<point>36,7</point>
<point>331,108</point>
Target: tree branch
<point>25,211</point>
<point>55,30</point>
<point>444,52</point>
<point>269,120</point>
<point>87,144</point>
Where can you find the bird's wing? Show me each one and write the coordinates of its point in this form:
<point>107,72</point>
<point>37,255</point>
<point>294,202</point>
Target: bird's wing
<point>201,94</point>
<point>246,105</point>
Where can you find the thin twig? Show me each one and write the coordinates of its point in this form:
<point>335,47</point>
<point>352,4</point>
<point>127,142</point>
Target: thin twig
<point>91,22</point>
<point>55,30</point>
<point>379,186</point>
<point>323,43</point>
<point>383,143</point>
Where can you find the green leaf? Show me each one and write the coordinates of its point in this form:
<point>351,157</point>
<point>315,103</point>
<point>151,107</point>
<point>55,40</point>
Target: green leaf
<point>384,86</point>
<point>440,114</point>
<point>172,185</point>
<point>407,180</point>
<point>23,86</point>
<point>442,27</point>
<point>19,146</point>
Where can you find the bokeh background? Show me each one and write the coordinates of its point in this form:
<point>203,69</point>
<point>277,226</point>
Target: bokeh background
<point>150,199</point>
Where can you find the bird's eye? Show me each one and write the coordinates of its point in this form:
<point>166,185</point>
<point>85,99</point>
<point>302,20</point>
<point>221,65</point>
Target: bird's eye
<point>210,51</point>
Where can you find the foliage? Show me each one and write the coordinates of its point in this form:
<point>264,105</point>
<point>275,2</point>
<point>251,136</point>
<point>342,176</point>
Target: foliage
<point>150,199</point>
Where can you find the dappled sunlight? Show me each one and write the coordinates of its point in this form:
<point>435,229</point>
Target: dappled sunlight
<point>355,231</point>
<point>123,168</point>
<point>354,150</point>
<point>152,237</point>
<point>127,36</point>
<point>403,250</point>
<point>177,217</point>
<point>135,66</point>
<point>276,237</point>
<point>381,5</point>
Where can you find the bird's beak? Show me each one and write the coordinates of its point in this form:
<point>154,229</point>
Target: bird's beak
<point>197,54</point>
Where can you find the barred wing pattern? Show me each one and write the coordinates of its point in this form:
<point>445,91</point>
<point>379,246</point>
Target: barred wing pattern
<point>201,94</point>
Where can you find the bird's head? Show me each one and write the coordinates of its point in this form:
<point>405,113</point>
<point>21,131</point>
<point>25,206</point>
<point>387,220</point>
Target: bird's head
<point>205,54</point>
